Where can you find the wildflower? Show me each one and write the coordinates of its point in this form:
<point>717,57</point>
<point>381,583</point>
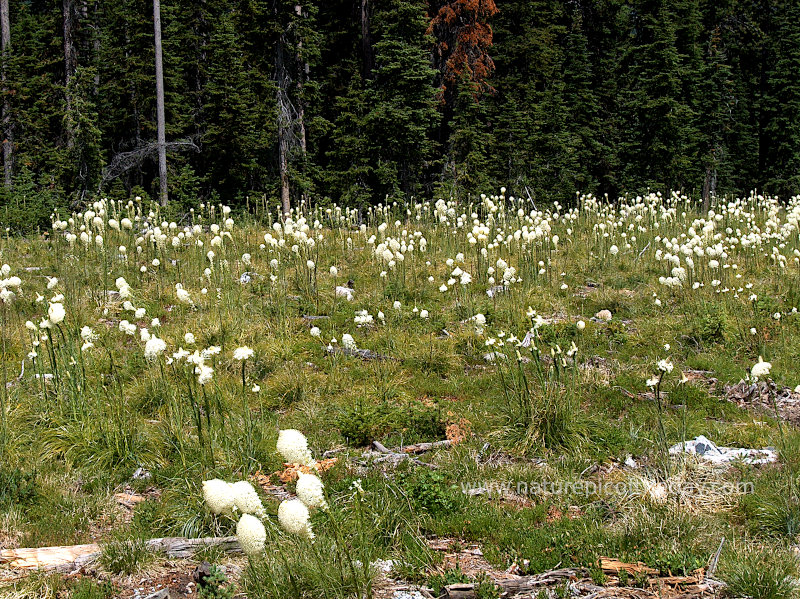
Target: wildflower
<point>423,314</point>
<point>246,499</point>
<point>256,388</point>
<point>211,350</point>
<point>242,353</point>
<point>218,495</point>
<point>760,369</point>
<point>251,534</point>
<point>293,446</point>
<point>188,339</point>
<point>204,374</point>
<point>665,366</point>
<point>580,325</point>
<point>348,342</point>
<point>310,491</point>
<point>315,332</point>
<point>56,313</point>
<point>182,294</point>
<point>294,518</point>
<point>154,347</point>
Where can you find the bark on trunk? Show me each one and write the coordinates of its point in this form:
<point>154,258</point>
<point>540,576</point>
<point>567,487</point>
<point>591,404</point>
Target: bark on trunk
<point>284,130</point>
<point>70,65</point>
<point>368,59</point>
<point>5,46</point>
<point>162,148</point>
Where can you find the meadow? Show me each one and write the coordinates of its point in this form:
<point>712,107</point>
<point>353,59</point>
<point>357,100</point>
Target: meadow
<point>235,374</point>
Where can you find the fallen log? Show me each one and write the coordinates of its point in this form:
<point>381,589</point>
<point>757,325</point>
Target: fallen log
<point>423,447</point>
<point>513,586</point>
<point>383,454</point>
<point>74,557</point>
<point>44,558</point>
<point>609,565</point>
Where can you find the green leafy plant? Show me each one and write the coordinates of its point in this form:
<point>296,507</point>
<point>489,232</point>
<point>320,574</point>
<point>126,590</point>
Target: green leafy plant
<point>216,585</point>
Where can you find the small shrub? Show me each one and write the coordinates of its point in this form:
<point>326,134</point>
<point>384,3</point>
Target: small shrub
<point>428,490</point>
<point>710,326</point>
<point>17,487</point>
<point>215,586</point>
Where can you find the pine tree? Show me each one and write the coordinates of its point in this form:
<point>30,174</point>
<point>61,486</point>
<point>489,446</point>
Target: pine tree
<point>660,124</point>
<point>404,114</point>
<point>782,163</point>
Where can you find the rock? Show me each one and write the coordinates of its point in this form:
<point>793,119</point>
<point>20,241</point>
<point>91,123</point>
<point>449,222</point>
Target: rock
<point>201,573</point>
<point>603,315</point>
<point>247,277</point>
<point>707,450</point>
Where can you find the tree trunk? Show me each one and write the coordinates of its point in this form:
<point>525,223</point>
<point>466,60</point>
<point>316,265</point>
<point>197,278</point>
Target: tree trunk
<point>284,129</point>
<point>368,60</point>
<point>70,65</point>
<point>302,70</point>
<point>162,148</point>
<point>5,45</point>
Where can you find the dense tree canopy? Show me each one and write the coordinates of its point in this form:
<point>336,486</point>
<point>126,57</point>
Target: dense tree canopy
<point>357,100</point>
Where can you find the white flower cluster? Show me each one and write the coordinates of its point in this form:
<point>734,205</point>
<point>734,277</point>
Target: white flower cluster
<point>293,514</point>
<point>760,369</point>
<point>293,446</point>
<point>239,498</point>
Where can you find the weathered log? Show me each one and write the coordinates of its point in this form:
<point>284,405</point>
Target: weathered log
<point>43,558</point>
<point>514,586</point>
<point>609,565</point>
<point>423,447</point>
<point>73,557</point>
<point>393,457</point>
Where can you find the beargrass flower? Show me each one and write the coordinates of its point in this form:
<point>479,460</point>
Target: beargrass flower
<point>219,495</point>
<point>251,534</point>
<point>56,313</point>
<point>154,347</point>
<point>246,499</point>
<point>293,517</point>
<point>293,446</point>
<point>242,353</point>
<point>310,491</point>
<point>761,369</point>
